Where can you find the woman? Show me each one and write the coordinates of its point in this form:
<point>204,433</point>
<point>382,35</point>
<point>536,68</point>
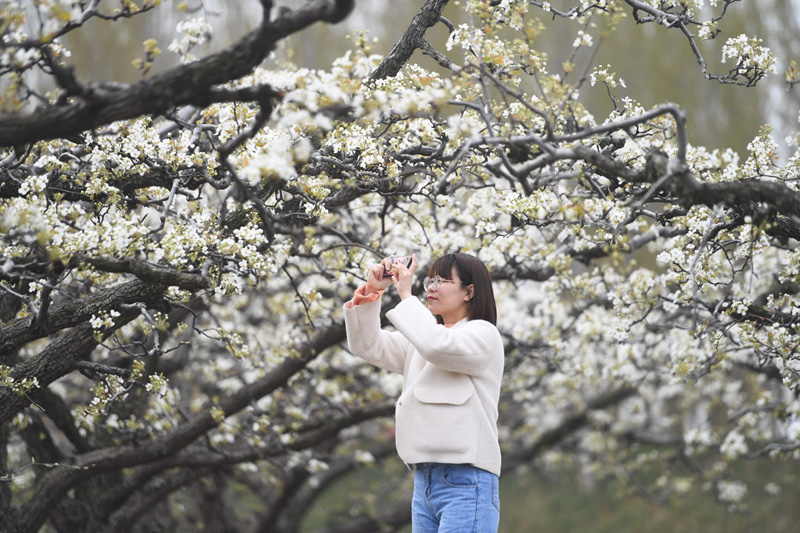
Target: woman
<point>451,358</point>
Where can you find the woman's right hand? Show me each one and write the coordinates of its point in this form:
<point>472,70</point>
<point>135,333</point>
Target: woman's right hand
<point>376,281</point>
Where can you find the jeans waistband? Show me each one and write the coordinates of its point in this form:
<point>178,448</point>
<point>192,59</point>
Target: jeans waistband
<point>422,466</point>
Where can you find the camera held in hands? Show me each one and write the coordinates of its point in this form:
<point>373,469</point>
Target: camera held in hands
<point>398,260</point>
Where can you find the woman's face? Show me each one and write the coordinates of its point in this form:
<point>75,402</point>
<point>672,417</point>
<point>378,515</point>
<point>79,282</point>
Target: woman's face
<point>450,299</point>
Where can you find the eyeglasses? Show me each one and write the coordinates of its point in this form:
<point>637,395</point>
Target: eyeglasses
<point>435,283</point>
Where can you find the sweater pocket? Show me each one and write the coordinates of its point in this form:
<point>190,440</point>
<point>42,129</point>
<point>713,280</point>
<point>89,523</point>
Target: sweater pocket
<point>444,395</point>
<point>446,422</point>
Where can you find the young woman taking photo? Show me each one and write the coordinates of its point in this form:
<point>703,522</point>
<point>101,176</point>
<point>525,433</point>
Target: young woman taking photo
<point>451,357</point>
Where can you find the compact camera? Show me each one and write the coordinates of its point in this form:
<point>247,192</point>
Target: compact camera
<point>398,260</point>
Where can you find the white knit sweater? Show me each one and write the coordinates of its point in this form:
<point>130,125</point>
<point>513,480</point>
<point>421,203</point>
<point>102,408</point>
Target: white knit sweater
<point>447,412</point>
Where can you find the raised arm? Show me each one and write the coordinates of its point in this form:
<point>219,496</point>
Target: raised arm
<point>366,339</point>
<point>468,349</point>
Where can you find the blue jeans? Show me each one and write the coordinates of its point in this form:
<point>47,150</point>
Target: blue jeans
<point>454,499</point>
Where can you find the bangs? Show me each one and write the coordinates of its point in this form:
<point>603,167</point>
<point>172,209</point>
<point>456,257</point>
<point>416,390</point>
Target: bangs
<point>443,267</point>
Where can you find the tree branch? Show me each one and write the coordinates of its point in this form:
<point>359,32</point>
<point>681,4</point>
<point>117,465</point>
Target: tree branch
<point>568,426</point>
<point>19,332</point>
<point>144,271</point>
<point>55,484</point>
<point>57,360</point>
<point>413,38</point>
<point>193,83</point>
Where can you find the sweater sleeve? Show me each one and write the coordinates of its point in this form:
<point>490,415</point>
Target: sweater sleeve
<point>468,349</point>
<point>360,298</point>
<point>366,339</point>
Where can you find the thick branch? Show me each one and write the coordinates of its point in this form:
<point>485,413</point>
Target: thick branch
<point>196,459</point>
<point>135,510</point>
<point>54,362</point>
<point>193,83</point>
<point>413,38</point>
<point>145,272</point>
<point>20,331</point>
<point>688,189</point>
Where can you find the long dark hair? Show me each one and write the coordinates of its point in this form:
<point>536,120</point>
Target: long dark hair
<point>472,272</point>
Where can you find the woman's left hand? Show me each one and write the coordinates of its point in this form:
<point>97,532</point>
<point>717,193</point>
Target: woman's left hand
<point>404,277</point>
